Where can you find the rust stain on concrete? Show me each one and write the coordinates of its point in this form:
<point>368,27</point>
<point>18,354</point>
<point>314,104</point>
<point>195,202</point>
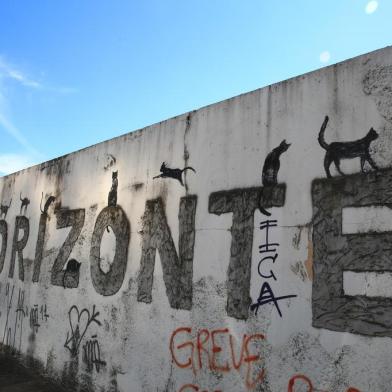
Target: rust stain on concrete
<point>308,263</point>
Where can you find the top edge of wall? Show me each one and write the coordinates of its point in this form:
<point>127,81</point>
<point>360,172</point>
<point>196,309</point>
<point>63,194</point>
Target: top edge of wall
<point>137,133</point>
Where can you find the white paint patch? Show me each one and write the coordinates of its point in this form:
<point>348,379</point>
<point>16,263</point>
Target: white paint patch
<point>376,219</point>
<point>371,284</point>
<point>325,56</point>
<point>108,248</point>
<point>371,7</point>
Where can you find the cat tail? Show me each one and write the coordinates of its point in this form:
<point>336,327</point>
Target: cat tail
<point>189,168</point>
<point>321,139</point>
<point>48,202</point>
<point>266,193</point>
<point>264,211</point>
<point>40,204</point>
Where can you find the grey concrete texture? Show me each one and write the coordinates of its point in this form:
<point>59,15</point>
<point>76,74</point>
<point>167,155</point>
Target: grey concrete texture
<point>17,377</point>
<point>335,252</point>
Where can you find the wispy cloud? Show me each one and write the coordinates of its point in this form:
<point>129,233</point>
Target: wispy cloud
<point>11,163</point>
<point>9,71</point>
<point>12,130</point>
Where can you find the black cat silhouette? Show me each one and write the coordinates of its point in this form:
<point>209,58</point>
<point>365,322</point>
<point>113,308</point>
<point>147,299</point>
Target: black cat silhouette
<point>173,173</point>
<point>48,202</point>
<point>71,273</point>
<point>4,209</point>
<point>25,202</point>
<point>272,164</point>
<point>270,170</point>
<point>112,197</point>
<point>345,150</point>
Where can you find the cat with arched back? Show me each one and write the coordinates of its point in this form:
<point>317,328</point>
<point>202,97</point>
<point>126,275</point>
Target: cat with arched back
<point>271,168</point>
<point>4,209</point>
<point>24,203</point>
<point>166,172</point>
<point>48,202</point>
<point>336,151</point>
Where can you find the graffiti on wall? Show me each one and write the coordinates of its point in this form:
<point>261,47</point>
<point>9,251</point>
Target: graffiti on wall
<point>215,350</point>
<point>24,203</point>
<point>4,209</point>
<point>177,268</point>
<point>336,252</point>
<point>38,315</point>
<point>79,322</point>
<point>272,164</point>
<point>336,151</point>
<point>92,354</point>
<point>243,204</point>
<point>176,174</point>
<point>218,351</point>
<point>269,251</point>
<point>16,312</point>
<point>297,381</point>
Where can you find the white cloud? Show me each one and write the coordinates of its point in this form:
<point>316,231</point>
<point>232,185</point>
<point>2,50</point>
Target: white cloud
<point>371,7</point>
<point>325,56</point>
<point>10,163</point>
<point>8,71</point>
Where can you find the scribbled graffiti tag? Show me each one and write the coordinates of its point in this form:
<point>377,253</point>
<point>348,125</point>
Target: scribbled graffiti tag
<point>79,321</point>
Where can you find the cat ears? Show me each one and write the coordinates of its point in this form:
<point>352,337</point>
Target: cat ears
<point>285,143</point>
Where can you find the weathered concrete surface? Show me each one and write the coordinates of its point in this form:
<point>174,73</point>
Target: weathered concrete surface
<point>15,377</point>
<point>335,252</point>
<point>123,274</point>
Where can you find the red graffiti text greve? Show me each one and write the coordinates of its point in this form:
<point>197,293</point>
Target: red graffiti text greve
<point>215,350</point>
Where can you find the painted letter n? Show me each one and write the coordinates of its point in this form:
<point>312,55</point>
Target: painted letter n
<point>335,252</point>
<point>177,268</point>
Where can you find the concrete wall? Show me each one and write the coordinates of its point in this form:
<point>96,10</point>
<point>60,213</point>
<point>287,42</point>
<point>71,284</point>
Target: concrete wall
<point>142,284</point>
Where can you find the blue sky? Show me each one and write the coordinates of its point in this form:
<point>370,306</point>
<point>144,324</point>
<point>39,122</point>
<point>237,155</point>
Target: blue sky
<point>74,73</point>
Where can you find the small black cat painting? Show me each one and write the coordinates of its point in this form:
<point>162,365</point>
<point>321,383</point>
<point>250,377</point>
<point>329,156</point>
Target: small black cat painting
<point>272,164</point>
<point>173,173</point>
<point>24,203</point>
<point>71,274</point>
<point>48,202</point>
<point>4,209</point>
<point>344,150</point>
<point>112,197</point>
<point>270,171</point>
